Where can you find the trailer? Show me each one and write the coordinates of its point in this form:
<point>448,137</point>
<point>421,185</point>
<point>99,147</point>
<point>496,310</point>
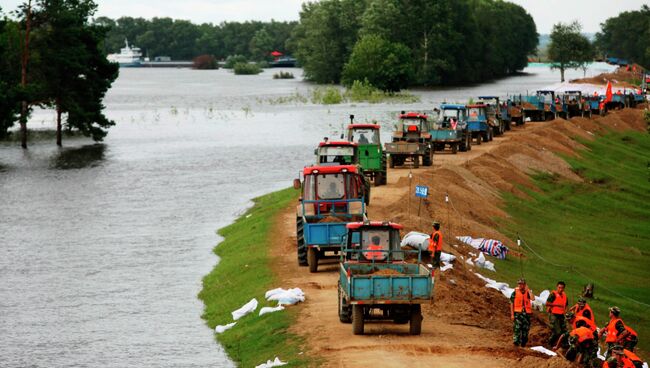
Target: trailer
<point>376,284</point>
<point>450,129</point>
<point>498,113</point>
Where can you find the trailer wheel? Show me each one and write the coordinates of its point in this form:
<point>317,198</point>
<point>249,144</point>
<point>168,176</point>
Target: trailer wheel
<point>479,138</point>
<point>344,308</point>
<point>312,259</point>
<point>357,319</point>
<point>454,148</point>
<point>415,324</point>
<point>391,162</point>
<point>300,236</point>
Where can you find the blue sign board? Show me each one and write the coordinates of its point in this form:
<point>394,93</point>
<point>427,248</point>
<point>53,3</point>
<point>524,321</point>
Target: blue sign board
<point>421,191</point>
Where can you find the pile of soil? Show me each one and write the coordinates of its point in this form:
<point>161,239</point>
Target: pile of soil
<point>386,272</point>
<point>619,78</point>
<point>528,106</point>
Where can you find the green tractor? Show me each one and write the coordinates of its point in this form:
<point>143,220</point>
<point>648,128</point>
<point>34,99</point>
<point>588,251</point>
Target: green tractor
<point>372,157</point>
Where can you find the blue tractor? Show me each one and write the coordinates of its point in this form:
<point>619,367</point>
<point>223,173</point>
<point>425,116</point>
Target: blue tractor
<point>450,129</point>
<point>478,123</point>
<point>499,112</point>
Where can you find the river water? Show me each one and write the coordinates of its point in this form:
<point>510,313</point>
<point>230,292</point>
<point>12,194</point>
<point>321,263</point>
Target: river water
<point>103,246</point>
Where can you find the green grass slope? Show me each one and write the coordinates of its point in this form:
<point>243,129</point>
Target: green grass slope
<point>243,273</point>
<point>596,231</point>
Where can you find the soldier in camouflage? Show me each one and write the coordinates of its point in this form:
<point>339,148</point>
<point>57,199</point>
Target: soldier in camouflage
<point>520,312</point>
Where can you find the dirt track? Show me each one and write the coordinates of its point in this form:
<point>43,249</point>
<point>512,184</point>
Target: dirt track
<point>468,325</point>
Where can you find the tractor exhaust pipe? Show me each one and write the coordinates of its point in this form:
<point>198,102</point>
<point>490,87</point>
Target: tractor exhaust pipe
<point>351,119</point>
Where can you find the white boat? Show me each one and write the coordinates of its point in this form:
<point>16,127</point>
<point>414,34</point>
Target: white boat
<point>128,56</point>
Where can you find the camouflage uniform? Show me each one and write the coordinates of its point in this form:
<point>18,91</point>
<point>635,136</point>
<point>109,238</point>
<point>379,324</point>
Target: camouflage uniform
<point>588,349</point>
<point>521,328</point>
<point>558,327</point>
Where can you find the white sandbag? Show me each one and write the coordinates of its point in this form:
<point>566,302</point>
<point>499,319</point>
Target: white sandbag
<point>542,297</point>
<point>223,328</point>
<point>474,243</point>
<point>469,262</point>
<point>416,240</point>
<point>484,263</point>
<point>447,266</point>
<point>544,350</point>
<point>285,297</point>
<point>271,363</point>
<point>446,257</point>
<point>266,310</point>
<point>244,310</point>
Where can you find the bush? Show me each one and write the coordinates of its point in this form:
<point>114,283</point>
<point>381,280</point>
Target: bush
<point>283,75</point>
<point>264,64</point>
<point>246,69</point>
<point>327,96</point>
<point>646,115</point>
<point>205,62</point>
<point>385,65</point>
<point>234,59</point>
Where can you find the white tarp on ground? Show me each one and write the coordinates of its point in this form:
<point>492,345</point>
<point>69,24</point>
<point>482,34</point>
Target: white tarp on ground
<point>223,328</point>
<point>446,266</point>
<point>506,290</point>
<point>271,363</point>
<point>544,350</point>
<point>249,307</point>
<point>491,247</point>
<point>266,310</point>
<point>285,297</point>
<point>446,257</point>
<point>484,263</point>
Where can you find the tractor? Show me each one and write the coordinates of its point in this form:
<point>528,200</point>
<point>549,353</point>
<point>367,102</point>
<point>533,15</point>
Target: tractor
<point>331,196</point>
<point>450,129</point>
<point>575,104</point>
<point>337,153</point>
<point>372,157</point>
<point>500,112</point>
<point>411,140</point>
<point>479,123</point>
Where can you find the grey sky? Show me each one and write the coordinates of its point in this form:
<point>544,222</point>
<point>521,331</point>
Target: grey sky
<point>545,12</point>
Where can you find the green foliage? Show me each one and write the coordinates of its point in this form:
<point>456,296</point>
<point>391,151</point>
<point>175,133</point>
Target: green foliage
<point>244,272</point>
<point>9,75</point>
<point>329,95</point>
<point>182,40</point>
<point>246,69</point>
<point>569,49</point>
<point>646,116</point>
<point>597,228</point>
<point>366,92</point>
<point>383,64</point>
<point>627,36</point>
<point>234,59</point>
<point>450,41</point>
<point>283,75</point>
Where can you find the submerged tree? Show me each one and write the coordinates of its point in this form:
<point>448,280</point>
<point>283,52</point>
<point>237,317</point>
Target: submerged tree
<point>569,49</point>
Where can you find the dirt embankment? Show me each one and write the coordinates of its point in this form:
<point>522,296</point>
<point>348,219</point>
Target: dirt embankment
<point>621,77</point>
<point>468,325</point>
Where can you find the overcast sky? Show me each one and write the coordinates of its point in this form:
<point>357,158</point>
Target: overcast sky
<point>545,12</point>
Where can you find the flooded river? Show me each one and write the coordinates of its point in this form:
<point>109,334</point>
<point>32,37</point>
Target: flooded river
<point>103,246</point>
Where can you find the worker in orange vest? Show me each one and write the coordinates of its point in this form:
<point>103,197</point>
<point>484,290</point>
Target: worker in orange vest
<point>557,304</point>
<point>582,341</point>
<point>617,333</point>
<point>375,246</point>
<point>623,358</point>
<point>521,310</point>
<point>582,309</point>
<point>435,244</point>
<point>573,320</point>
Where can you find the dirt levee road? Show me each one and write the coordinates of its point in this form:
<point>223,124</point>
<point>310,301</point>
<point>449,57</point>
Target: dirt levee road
<point>467,325</point>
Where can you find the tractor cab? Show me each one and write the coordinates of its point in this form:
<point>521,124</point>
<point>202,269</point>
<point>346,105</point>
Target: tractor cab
<point>451,117</point>
<point>498,111</point>
<point>477,112</point>
<point>363,134</point>
<point>373,241</point>
<point>575,104</point>
<point>411,127</point>
<point>549,103</point>
<point>340,191</point>
<point>337,153</point>
<point>372,157</point>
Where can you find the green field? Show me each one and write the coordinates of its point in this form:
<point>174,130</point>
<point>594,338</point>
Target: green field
<point>595,231</point>
<point>243,273</point>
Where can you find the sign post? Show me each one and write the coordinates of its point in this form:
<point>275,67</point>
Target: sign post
<point>421,191</point>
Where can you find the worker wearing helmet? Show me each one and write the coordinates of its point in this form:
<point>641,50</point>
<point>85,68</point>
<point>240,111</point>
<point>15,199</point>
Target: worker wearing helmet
<point>521,310</point>
<point>622,357</point>
<point>617,333</point>
<point>435,244</point>
<point>582,309</point>
<point>557,304</point>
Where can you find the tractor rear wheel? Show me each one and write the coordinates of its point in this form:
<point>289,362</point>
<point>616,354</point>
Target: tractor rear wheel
<point>357,319</point>
<point>312,259</point>
<point>427,158</point>
<point>416,161</point>
<point>344,308</point>
<point>300,236</point>
<point>379,178</point>
<point>415,324</point>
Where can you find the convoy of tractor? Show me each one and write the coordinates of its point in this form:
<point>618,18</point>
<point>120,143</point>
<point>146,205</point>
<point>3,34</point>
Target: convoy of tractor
<point>378,280</point>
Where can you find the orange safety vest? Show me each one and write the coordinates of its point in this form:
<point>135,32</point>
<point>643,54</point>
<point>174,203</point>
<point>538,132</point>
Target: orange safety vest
<point>583,334</point>
<point>522,301</point>
<point>374,255</point>
<point>559,304</point>
<point>435,247</point>
<point>612,334</point>
<point>591,325</point>
<point>580,312</point>
<point>631,356</point>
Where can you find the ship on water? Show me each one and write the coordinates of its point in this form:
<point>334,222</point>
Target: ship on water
<point>128,57</point>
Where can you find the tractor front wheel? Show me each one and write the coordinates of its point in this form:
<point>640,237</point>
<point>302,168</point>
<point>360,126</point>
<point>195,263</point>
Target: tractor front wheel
<point>357,319</point>
<point>415,324</point>
<point>312,259</point>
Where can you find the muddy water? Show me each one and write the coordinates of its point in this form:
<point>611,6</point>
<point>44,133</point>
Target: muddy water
<point>103,246</point>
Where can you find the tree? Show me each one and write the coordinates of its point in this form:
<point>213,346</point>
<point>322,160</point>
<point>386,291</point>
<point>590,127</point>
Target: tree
<point>627,36</point>
<point>569,49</point>
<point>386,65</point>
<point>9,75</point>
<point>261,44</point>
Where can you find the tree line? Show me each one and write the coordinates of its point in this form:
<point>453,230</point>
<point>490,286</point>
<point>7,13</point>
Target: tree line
<point>398,43</point>
<point>50,56</point>
<point>184,40</point>
<point>627,36</point>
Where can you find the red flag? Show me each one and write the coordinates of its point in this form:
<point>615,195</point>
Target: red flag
<point>608,92</point>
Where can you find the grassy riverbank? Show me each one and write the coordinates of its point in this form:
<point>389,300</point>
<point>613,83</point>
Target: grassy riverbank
<point>595,231</point>
<point>243,273</point>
